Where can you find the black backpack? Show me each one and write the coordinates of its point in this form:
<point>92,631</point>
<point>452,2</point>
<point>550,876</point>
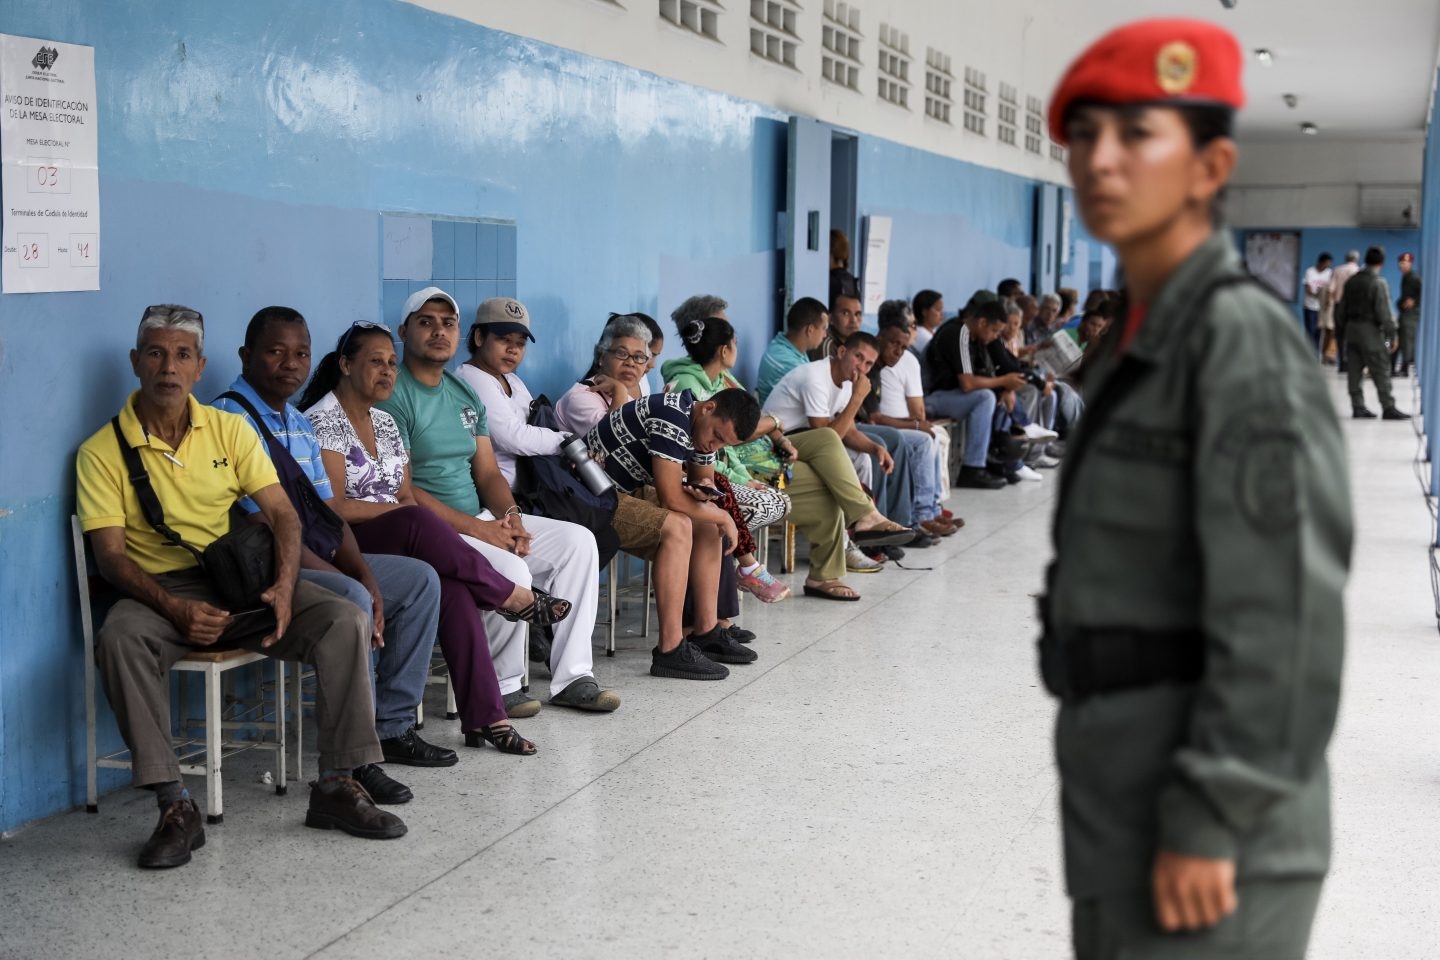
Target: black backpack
<point>547,486</point>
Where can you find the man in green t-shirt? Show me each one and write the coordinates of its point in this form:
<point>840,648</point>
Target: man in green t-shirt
<point>454,474</point>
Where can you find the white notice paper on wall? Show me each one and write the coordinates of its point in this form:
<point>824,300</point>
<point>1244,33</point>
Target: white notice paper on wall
<point>49,167</point>
<point>877,262</point>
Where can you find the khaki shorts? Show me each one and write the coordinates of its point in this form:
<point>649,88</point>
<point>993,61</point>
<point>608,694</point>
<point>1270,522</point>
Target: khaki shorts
<point>638,523</point>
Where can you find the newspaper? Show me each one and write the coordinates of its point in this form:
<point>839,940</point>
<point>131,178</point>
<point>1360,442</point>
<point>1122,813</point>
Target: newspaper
<point>1059,354</point>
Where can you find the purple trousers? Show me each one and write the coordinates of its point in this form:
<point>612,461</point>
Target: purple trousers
<point>468,584</point>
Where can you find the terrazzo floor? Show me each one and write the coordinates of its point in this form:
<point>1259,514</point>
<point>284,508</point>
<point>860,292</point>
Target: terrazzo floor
<point>878,785</point>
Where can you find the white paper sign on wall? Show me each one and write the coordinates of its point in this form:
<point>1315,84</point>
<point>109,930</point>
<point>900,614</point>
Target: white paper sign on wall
<point>877,262</point>
<point>49,166</point>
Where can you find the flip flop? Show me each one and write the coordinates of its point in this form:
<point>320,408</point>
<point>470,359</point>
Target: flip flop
<point>823,594</point>
<point>882,538</point>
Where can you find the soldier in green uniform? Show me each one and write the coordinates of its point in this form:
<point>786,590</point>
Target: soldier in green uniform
<point>1193,616</point>
<point>1409,313</point>
<point>1370,337</point>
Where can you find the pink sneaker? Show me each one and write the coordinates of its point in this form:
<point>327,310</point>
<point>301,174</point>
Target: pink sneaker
<point>765,587</point>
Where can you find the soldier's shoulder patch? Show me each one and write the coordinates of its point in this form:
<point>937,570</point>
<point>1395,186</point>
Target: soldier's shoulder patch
<point>1264,450</point>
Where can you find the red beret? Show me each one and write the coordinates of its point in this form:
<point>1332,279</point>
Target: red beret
<point>1408,257</point>
<point>1167,61</point>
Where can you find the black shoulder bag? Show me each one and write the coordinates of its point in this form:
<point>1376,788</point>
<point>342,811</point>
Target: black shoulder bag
<point>548,487</point>
<point>240,565</point>
<point>321,529</point>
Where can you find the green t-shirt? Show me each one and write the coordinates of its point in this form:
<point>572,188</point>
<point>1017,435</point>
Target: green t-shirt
<point>438,426</point>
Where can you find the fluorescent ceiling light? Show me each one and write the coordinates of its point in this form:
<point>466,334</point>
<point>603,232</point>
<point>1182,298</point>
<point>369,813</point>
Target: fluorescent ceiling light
<point>1265,57</point>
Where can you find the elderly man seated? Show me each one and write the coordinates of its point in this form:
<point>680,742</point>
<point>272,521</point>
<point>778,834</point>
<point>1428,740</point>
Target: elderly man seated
<point>199,462</point>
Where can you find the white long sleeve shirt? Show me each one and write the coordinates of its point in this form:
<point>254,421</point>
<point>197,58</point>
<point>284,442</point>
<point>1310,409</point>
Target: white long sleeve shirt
<point>507,414</point>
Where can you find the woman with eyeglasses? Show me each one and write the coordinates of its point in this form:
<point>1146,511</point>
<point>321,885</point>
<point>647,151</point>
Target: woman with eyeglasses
<point>614,378</point>
<point>365,457</point>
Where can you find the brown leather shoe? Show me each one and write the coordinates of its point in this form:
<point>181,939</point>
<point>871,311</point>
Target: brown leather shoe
<point>938,527</point>
<point>340,803</point>
<point>178,832</point>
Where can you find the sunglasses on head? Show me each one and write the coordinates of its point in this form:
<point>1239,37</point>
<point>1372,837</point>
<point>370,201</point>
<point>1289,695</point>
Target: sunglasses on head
<point>360,325</point>
<point>170,311</point>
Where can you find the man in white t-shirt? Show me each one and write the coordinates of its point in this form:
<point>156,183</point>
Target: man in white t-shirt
<point>900,403</point>
<point>828,393</point>
<point>1317,284</point>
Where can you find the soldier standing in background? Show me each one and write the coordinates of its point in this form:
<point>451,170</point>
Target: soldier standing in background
<point>1370,337</point>
<point>1409,314</point>
<point>1194,620</point>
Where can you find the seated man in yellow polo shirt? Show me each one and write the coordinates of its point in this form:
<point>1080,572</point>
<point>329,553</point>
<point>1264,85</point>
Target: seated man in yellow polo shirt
<point>200,461</point>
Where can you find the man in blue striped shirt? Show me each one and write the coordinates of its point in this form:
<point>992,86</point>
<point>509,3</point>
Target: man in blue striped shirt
<point>402,593</point>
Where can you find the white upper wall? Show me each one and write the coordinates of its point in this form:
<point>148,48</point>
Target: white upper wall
<point>1025,45</point>
<point>1003,41</point>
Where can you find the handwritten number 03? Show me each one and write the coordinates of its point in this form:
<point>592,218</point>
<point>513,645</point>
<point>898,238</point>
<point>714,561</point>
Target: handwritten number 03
<point>47,176</point>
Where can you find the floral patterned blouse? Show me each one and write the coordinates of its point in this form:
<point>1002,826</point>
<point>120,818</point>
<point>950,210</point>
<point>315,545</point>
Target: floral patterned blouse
<point>376,479</point>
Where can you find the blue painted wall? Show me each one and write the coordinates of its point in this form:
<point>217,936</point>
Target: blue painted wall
<point>1428,266</point>
<point>249,153</point>
<point>957,227</point>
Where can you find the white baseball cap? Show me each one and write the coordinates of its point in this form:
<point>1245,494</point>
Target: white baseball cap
<point>419,298</point>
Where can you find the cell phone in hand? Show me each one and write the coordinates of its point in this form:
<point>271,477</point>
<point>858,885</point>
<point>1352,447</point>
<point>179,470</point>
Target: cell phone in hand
<point>710,492</point>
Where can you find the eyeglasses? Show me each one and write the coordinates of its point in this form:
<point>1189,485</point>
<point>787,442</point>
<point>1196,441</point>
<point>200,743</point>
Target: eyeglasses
<point>359,325</point>
<point>622,355</point>
<point>171,311</point>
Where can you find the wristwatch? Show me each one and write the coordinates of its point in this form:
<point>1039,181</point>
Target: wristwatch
<point>779,424</point>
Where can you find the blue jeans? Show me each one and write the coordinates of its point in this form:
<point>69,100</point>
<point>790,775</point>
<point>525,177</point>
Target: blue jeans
<point>893,492</point>
<point>919,449</point>
<point>411,592</point>
<point>977,409</point>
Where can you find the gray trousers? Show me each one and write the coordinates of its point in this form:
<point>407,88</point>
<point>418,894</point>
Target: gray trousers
<point>1365,349</point>
<point>137,646</point>
<point>1272,922</point>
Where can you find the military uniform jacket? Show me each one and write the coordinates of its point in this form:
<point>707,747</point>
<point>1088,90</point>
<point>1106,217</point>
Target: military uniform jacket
<point>1204,492</point>
<point>1410,289</point>
<point>1367,300</point>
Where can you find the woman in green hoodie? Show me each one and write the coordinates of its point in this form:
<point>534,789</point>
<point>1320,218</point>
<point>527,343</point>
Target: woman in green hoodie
<point>710,346</point>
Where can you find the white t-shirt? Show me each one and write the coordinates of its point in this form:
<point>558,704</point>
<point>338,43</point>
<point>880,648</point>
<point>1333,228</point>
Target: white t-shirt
<point>510,434</point>
<point>1315,281</point>
<point>897,383</point>
<point>922,340</point>
<point>805,392</point>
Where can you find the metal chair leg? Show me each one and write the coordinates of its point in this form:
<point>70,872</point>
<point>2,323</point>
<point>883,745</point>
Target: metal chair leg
<point>214,802</point>
<point>451,710</point>
<point>297,694</point>
<point>282,747</point>
<point>645,601</point>
<point>612,589</point>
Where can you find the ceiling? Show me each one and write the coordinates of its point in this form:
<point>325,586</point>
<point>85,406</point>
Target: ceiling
<point>1360,70</point>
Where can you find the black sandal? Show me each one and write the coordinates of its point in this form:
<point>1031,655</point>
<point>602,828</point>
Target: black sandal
<point>543,611</point>
<point>507,740</point>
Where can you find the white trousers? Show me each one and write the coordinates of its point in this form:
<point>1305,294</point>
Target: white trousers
<point>564,562</point>
<point>942,458</point>
<point>864,468</point>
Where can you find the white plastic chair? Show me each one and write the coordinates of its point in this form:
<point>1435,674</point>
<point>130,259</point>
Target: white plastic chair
<point>198,755</point>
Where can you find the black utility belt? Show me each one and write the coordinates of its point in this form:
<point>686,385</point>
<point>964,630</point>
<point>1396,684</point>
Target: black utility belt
<point>1090,662</point>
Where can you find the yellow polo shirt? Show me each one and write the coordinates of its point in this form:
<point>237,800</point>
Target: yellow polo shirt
<point>220,459</point>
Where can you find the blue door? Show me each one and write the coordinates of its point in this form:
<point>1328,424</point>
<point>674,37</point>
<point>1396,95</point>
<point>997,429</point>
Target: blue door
<point>807,211</point>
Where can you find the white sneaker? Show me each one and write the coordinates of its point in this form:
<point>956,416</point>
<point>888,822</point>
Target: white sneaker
<point>1033,431</point>
<point>1025,473</point>
<point>1044,462</point>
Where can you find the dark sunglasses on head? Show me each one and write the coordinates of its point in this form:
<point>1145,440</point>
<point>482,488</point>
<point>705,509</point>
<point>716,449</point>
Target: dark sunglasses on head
<point>360,325</point>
